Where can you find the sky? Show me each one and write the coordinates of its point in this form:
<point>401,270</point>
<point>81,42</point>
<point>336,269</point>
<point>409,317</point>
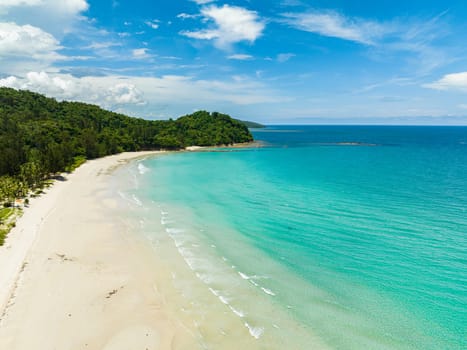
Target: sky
<point>275,62</point>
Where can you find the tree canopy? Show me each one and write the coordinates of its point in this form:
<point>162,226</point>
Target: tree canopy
<point>39,135</point>
<point>252,125</point>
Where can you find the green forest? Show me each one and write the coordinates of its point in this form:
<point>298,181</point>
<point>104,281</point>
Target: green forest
<point>40,136</point>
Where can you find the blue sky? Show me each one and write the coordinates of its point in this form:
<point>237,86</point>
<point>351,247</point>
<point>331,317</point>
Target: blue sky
<point>290,61</point>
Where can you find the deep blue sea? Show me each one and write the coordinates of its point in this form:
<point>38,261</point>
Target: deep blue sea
<point>340,237</point>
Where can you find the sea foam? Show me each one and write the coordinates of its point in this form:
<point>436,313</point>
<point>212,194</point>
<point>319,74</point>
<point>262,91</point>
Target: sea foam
<point>255,332</point>
<point>142,169</point>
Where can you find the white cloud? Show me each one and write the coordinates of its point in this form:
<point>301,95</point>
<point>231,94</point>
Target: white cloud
<point>187,16</point>
<point>26,47</point>
<point>454,81</point>
<point>284,57</point>
<point>54,16</point>
<point>102,45</point>
<point>70,6</point>
<point>154,24</point>
<point>57,86</point>
<point>108,93</point>
<point>332,24</point>
<point>232,24</point>
<point>16,40</point>
<point>202,2</point>
<point>140,53</point>
<point>240,57</point>
<point>11,82</point>
<point>419,40</point>
<point>142,96</point>
<point>124,93</point>
<point>67,6</point>
<point>13,3</point>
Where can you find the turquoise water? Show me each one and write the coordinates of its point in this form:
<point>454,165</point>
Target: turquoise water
<point>357,234</point>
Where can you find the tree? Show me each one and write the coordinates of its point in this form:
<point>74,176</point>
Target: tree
<point>32,173</point>
<point>10,189</point>
<point>40,136</point>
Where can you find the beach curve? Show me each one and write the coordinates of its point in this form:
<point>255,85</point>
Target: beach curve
<point>71,278</point>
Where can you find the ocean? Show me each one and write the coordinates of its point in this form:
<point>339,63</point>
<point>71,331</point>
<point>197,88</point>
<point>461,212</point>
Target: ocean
<point>332,237</point>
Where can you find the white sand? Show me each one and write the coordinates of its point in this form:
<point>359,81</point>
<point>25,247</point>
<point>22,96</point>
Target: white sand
<point>71,278</point>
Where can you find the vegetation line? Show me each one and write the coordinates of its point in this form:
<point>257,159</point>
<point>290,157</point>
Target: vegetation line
<point>40,137</point>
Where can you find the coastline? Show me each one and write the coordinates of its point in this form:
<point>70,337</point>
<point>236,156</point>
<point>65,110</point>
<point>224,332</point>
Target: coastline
<point>79,272</point>
<point>72,278</point>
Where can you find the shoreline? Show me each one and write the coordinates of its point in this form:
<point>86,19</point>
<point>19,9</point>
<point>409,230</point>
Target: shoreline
<point>72,278</point>
<point>89,276</point>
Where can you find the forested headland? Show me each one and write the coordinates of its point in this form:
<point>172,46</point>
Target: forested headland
<point>40,136</point>
<point>252,125</point>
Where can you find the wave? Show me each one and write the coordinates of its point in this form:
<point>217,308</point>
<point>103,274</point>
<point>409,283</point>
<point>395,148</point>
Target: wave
<point>208,273</point>
<point>255,332</point>
<point>165,221</point>
<point>242,275</point>
<point>239,313</point>
<point>137,201</point>
<point>142,169</point>
<point>268,291</point>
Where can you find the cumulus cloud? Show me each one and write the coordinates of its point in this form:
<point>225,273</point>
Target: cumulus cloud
<point>142,96</point>
<point>332,24</point>
<point>25,47</point>
<point>16,40</point>
<point>58,86</point>
<point>11,82</point>
<point>64,6</point>
<point>124,93</point>
<point>454,81</point>
<point>106,92</point>
<point>6,4</point>
<point>53,16</point>
<point>229,25</point>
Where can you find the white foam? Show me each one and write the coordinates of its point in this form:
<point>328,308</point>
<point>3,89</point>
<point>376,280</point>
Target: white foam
<point>174,231</point>
<point>255,332</point>
<point>213,291</point>
<point>254,283</point>
<point>165,221</point>
<point>239,313</point>
<point>207,279</point>
<point>224,299</point>
<point>191,265</point>
<point>242,275</point>
<point>142,169</point>
<point>268,291</point>
<point>136,200</point>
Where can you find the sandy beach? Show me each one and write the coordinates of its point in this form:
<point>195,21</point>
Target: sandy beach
<point>72,279</point>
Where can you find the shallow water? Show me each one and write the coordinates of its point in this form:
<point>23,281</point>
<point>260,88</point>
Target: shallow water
<point>339,237</point>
